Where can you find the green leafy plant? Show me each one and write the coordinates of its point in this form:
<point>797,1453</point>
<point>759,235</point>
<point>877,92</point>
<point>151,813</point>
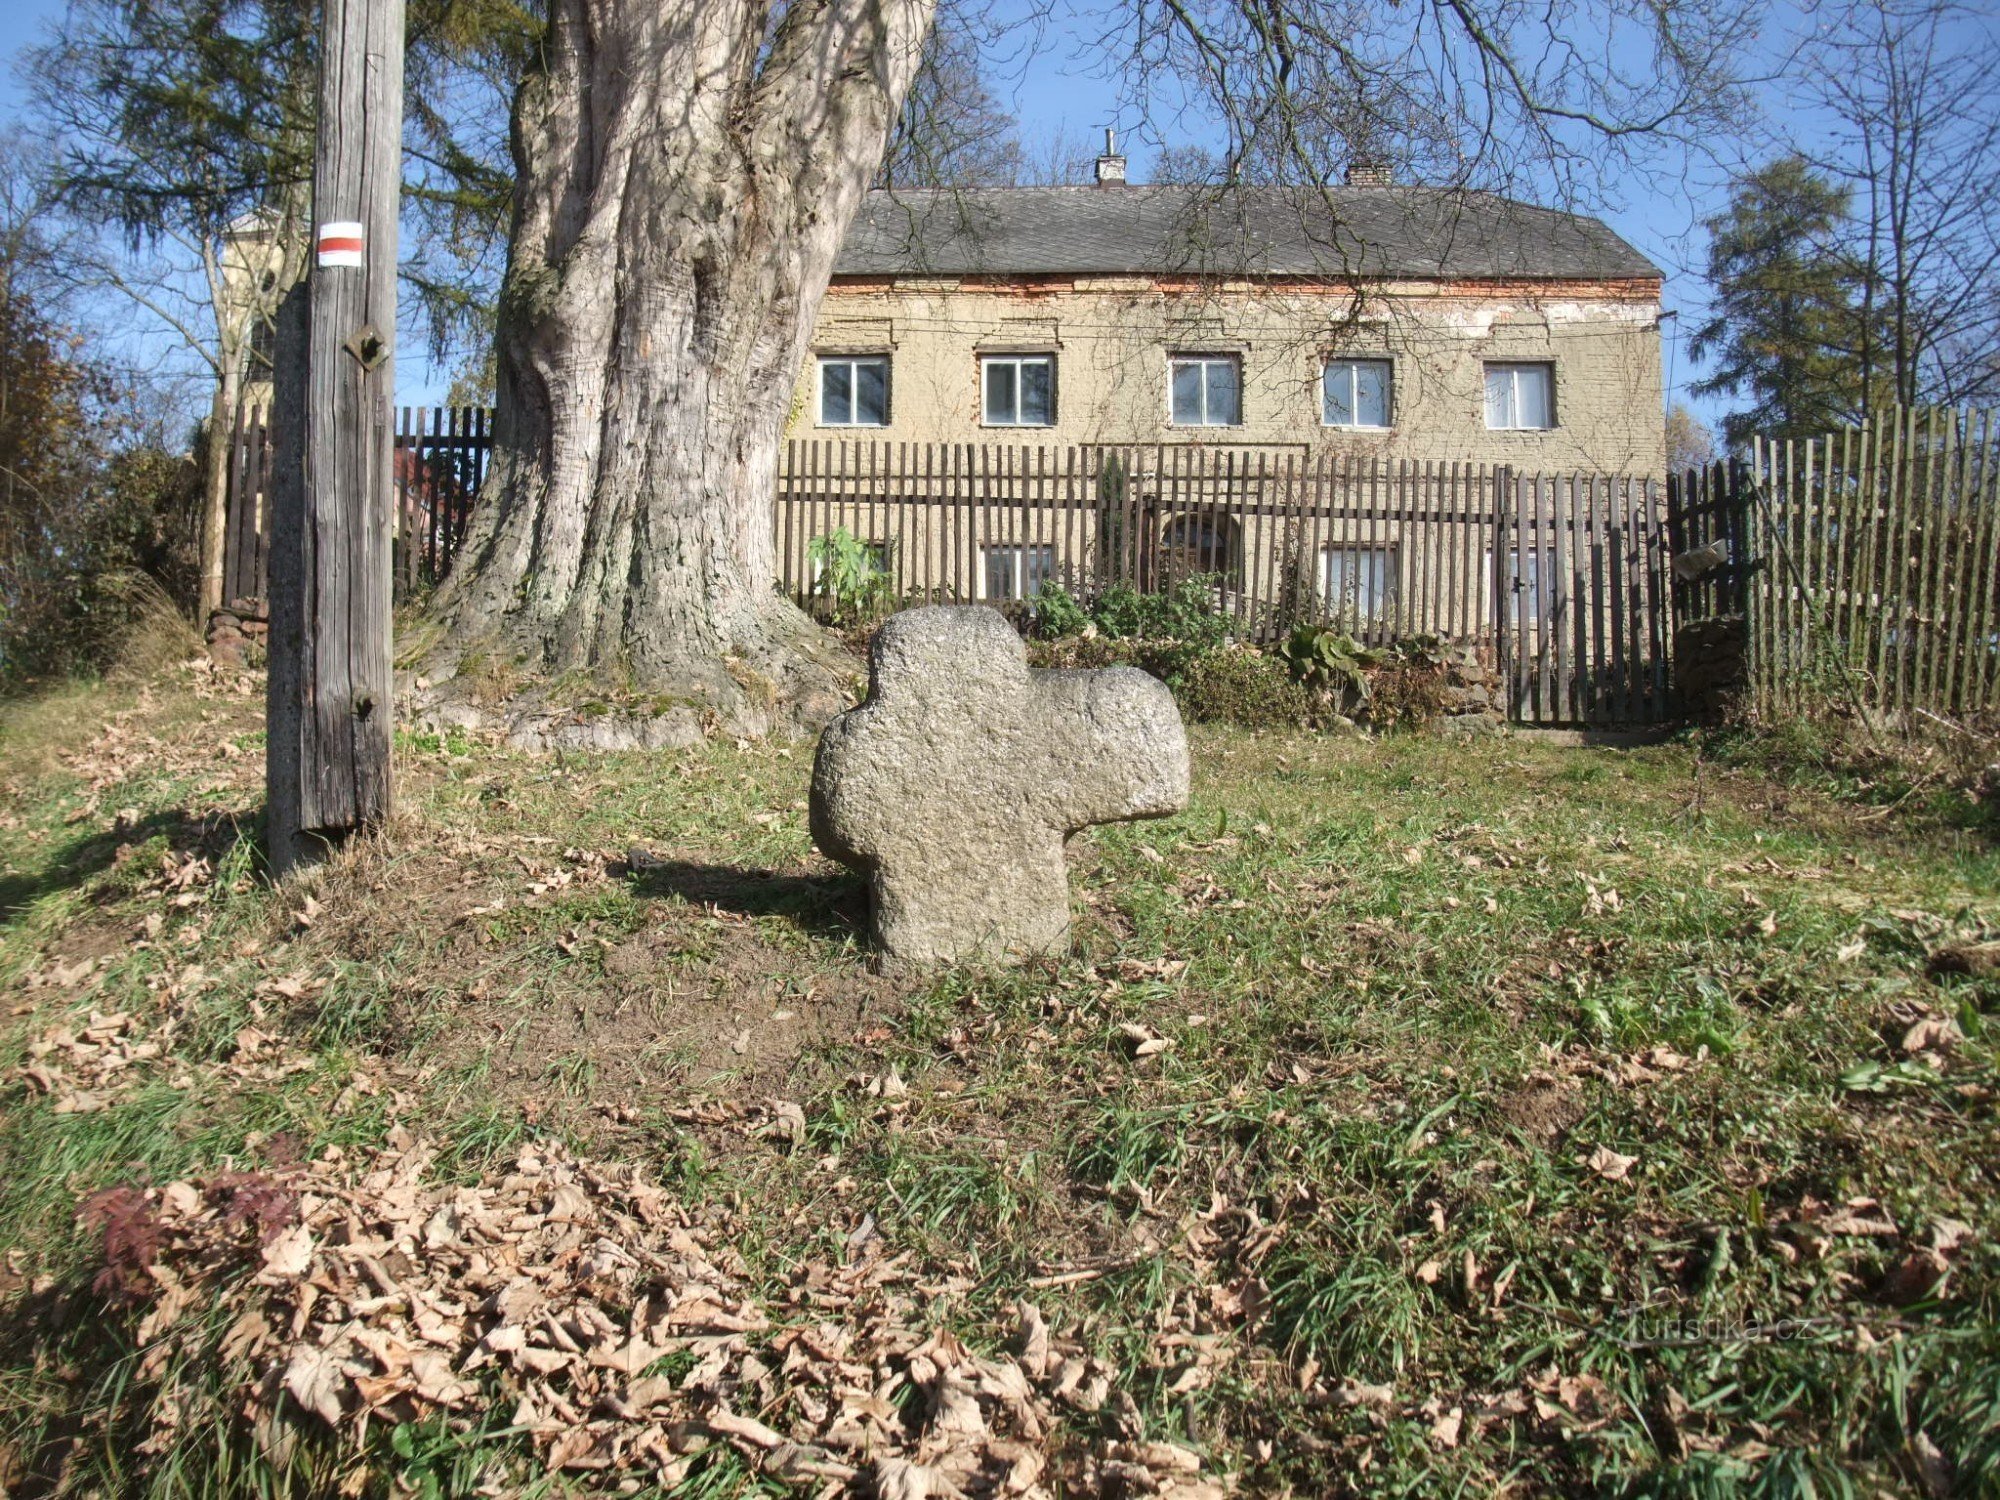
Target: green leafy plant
<point>1241,685</point>
<point>1329,662</point>
<point>1421,651</point>
<point>852,583</point>
<point>1185,613</point>
<point>1057,614</point>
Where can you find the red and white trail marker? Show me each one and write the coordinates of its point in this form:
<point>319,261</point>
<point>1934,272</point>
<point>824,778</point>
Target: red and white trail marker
<point>341,243</point>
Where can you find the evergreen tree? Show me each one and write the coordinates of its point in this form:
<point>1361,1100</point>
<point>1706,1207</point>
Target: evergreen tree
<point>185,128</point>
<point>1785,333</point>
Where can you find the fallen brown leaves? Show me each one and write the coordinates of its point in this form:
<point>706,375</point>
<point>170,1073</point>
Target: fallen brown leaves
<point>82,1070</point>
<point>88,1066</point>
<point>121,749</point>
<point>613,1324</point>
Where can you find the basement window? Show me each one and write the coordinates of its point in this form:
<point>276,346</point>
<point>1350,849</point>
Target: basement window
<point>1520,397</point>
<point>1019,390</point>
<point>854,390</point>
<point>1015,572</point>
<point>1358,583</point>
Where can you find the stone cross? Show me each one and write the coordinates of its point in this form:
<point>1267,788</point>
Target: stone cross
<point>956,785</point>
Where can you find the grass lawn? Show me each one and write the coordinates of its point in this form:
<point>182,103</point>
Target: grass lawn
<point>1413,1117</point>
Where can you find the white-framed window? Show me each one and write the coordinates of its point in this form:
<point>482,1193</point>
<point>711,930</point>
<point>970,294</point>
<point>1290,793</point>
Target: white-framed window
<point>1205,390</point>
<point>1017,390</point>
<point>1355,393</point>
<point>1015,570</point>
<point>1520,397</point>
<point>1358,583</point>
<point>854,390</point>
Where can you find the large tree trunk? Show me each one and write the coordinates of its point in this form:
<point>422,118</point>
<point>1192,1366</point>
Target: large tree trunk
<point>687,172</point>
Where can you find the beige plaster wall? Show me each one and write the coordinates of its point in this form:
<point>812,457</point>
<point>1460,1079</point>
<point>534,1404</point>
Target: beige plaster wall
<point>1112,338</point>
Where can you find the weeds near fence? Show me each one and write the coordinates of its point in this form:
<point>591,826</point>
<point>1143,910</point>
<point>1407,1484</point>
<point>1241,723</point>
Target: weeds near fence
<point>1925,772</point>
<point>852,585</point>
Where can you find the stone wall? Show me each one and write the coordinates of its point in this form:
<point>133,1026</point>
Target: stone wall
<point>1475,700</point>
<point>239,632</point>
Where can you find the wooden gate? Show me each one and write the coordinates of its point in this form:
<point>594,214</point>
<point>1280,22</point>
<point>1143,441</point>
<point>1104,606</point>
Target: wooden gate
<point>1581,574</point>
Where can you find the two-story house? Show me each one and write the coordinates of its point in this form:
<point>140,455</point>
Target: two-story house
<point>1365,322</point>
<point>1396,322</point>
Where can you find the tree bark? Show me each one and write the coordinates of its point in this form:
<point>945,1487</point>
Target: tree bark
<point>215,496</point>
<point>686,174</point>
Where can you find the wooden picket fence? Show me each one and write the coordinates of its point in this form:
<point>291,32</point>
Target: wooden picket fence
<point>1559,581</point>
<point>442,454</point>
<point>1865,564</point>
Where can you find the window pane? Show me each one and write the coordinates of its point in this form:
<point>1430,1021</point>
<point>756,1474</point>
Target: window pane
<point>836,392</point>
<point>1037,403</point>
<point>1002,572</point>
<point>871,392</point>
<point>1187,392</point>
<point>1337,394</point>
<point>1000,391</point>
<point>1360,581</point>
<point>1371,393</point>
<point>1532,406</point>
<point>1499,396</point>
<point>1041,569</point>
<point>1222,392</point>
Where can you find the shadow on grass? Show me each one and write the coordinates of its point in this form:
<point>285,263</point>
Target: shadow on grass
<point>214,834</point>
<point>70,1327</point>
<point>80,1422</point>
<point>834,906</point>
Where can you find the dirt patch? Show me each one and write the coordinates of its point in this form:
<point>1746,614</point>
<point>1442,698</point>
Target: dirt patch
<point>733,1021</point>
<point>1543,1109</point>
<point>729,989</point>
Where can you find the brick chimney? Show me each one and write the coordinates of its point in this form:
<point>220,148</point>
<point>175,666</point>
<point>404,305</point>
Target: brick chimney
<point>1368,172</point>
<point>1110,166</point>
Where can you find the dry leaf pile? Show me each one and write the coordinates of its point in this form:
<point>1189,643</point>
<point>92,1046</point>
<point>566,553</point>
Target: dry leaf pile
<point>601,1317</point>
<point>87,1066</point>
<point>83,1069</point>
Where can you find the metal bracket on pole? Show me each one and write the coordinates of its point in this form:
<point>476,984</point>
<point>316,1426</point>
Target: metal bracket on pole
<point>369,348</point>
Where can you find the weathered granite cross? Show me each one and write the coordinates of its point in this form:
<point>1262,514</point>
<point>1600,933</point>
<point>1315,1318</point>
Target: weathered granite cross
<point>955,786</point>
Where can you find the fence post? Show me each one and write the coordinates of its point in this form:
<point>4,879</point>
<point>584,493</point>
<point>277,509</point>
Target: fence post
<point>1500,584</point>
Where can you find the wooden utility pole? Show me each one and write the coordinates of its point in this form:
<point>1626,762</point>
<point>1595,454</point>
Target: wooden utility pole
<point>331,706</point>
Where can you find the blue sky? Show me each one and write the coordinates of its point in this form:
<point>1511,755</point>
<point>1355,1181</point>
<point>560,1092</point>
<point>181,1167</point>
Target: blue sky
<point>21,24</point>
<point>1051,95</point>
<point>1061,92</point>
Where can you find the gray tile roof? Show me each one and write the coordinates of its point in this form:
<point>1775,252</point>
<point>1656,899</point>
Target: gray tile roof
<point>1369,231</point>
